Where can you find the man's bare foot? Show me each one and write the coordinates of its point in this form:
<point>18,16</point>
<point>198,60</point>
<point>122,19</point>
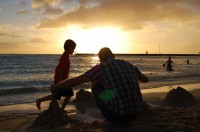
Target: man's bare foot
<point>38,104</point>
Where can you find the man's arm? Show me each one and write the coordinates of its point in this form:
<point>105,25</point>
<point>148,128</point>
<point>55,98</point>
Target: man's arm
<point>69,83</point>
<point>143,78</point>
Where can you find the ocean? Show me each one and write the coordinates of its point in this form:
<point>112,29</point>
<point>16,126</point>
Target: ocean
<point>24,78</point>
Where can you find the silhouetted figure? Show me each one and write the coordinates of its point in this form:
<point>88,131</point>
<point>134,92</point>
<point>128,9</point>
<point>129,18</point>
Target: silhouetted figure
<point>188,61</point>
<point>114,86</point>
<point>61,73</point>
<point>169,64</point>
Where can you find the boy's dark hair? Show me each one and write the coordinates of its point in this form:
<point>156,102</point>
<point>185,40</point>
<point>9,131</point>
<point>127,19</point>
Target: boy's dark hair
<point>105,53</point>
<point>69,43</point>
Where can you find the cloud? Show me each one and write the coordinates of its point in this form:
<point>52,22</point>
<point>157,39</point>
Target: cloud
<point>39,3</point>
<point>8,34</point>
<point>38,40</point>
<point>3,34</point>
<point>35,42</point>
<point>21,12</point>
<point>128,14</point>
<point>16,47</point>
<point>53,11</point>
<point>18,3</point>
<point>11,45</point>
<point>7,30</point>
<point>23,3</point>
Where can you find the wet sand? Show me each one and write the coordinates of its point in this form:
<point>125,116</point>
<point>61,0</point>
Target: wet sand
<point>85,117</point>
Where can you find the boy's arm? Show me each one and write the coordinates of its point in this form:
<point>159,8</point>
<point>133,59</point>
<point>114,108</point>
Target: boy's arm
<point>69,83</point>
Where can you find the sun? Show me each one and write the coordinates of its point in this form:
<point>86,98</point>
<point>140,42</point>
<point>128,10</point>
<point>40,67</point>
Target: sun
<point>91,40</point>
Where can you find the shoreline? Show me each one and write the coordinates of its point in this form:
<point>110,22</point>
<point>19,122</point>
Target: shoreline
<point>19,117</point>
<point>158,84</point>
<point>147,88</point>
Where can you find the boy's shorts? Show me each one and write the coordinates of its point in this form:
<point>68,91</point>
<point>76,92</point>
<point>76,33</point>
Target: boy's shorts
<point>64,93</point>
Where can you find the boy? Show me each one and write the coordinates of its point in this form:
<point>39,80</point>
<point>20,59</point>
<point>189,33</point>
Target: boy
<point>61,73</point>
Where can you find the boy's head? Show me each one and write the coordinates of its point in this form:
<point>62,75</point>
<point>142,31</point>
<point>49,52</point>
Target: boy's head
<point>105,53</point>
<point>69,46</point>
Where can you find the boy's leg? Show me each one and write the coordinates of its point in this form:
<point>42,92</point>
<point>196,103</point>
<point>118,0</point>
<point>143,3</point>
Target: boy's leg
<point>39,101</point>
<point>65,102</point>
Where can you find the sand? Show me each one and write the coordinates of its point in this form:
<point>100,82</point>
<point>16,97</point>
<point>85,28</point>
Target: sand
<point>85,116</point>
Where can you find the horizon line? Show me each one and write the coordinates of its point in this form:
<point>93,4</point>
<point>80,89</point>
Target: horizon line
<point>143,54</point>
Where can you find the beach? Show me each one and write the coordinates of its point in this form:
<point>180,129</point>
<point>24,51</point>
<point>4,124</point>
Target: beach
<point>84,116</point>
<point>54,54</point>
<point>23,81</point>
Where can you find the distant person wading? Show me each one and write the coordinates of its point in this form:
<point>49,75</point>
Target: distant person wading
<point>169,64</point>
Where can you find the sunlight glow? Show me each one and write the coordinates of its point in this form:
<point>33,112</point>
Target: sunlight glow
<point>91,40</point>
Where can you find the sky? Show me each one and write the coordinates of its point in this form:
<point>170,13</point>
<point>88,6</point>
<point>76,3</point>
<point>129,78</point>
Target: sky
<point>125,26</point>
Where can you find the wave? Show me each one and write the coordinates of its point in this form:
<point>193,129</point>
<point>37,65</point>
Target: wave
<point>23,90</point>
<point>174,77</point>
<point>34,89</point>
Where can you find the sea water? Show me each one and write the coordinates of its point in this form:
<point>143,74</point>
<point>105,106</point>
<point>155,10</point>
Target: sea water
<point>24,78</point>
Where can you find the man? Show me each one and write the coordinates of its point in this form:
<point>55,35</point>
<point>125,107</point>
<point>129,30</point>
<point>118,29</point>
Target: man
<point>115,87</point>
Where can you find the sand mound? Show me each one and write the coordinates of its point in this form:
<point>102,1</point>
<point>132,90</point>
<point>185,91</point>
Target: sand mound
<point>51,117</point>
<point>83,95</point>
<point>179,97</point>
<point>84,100</point>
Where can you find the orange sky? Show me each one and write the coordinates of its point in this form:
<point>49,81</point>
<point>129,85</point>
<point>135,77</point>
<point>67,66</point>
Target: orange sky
<point>126,26</point>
